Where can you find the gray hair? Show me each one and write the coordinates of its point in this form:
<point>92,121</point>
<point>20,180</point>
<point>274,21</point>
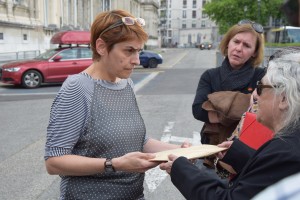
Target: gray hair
<point>283,71</point>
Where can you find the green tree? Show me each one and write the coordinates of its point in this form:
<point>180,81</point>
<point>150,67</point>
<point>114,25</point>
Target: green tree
<point>228,12</point>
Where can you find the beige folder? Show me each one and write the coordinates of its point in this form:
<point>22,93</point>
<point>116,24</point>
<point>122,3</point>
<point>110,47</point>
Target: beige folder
<point>192,152</point>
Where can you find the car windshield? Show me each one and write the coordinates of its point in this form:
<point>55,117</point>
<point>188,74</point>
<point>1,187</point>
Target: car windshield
<point>48,54</point>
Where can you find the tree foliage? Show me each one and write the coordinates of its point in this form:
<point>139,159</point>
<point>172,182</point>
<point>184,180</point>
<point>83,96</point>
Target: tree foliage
<point>228,12</point>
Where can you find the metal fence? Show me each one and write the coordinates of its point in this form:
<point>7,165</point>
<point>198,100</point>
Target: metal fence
<point>19,55</point>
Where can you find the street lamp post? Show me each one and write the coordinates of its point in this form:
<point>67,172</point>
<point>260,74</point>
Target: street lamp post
<point>245,11</point>
<point>258,2</point>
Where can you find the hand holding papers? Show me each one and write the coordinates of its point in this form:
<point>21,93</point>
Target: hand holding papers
<point>189,152</point>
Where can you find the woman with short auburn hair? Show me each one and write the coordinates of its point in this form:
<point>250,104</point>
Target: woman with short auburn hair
<point>96,137</point>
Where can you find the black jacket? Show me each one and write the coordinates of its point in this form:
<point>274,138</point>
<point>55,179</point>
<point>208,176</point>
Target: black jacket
<point>275,160</point>
<point>210,82</point>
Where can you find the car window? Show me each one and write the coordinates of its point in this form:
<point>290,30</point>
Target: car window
<point>69,54</point>
<point>48,54</point>
<point>86,53</point>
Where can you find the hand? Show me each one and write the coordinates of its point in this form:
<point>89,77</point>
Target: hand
<point>134,162</point>
<point>168,165</point>
<point>186,144</point>
<point>225,144</point>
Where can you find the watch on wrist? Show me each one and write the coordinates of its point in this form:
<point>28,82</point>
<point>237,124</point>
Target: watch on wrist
<point>108,166</point>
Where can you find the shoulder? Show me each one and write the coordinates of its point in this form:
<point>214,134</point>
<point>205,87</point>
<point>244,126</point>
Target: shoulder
<point>76,87</point>
<point>259,72</point>
<point>283,147</point>
<point>77,82</point>
<point>211,72</point>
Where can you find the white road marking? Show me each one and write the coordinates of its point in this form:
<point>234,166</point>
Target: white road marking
<point>196,138</point>
<point>145,81</point>
<point>169,127</point>
<point>154,177</point>
<point>178,59</point>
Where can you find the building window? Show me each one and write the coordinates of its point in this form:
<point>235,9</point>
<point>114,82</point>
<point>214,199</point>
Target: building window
<point>169,33</point>
<point>204,15</point>
<point>202,24</point>
<point>194,24</point>
<point>194,14</point>
<point>184,14</point>
<point>1,36</point>
<point>163,13</point>
<point>184,24</point>
<point>106,5</point>
<point>25,37</point>
<point>184,4</point>
<point>194,4</point>
<point>203,3</point>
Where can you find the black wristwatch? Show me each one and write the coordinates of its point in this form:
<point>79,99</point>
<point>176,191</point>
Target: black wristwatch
<point>108,166</point>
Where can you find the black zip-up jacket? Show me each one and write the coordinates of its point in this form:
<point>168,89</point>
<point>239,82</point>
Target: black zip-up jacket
<point>210,82</point>
<point>275,160</point>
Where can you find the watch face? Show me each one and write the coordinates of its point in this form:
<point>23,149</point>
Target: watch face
<point>108,166</point>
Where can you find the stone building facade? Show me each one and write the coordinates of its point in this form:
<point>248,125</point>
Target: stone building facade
<point>28,25</point>
<point>184,23</point>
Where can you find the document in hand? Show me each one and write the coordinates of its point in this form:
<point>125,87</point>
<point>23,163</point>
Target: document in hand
<point>190,152</point>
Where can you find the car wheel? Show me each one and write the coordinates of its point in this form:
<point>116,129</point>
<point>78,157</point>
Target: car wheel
<point>152,63</point>
<point>145,66</point>
<point>31,79</point>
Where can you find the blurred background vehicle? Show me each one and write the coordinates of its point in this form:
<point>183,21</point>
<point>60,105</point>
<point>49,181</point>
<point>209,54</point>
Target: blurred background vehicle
<point>53,66</point>
<point>72,56</point>
<point>205,45</point>
<point>150,59</point>
<point>284,34</point>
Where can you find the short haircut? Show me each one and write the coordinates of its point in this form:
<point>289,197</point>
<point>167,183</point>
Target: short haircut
<point>116,35</point>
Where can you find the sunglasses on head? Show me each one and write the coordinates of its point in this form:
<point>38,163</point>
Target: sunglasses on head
<point>256,26</point>
<point>129,21</point>
<point>260,87</point>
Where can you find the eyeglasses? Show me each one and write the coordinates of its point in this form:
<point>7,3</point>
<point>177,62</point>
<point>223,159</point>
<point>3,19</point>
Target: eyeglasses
<point>256,26</point>
<point>129,21</point>
<point>260,86</point>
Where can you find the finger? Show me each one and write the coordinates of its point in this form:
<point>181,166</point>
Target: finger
<point>220,155</point>
<point>148,156</point>
<point>172,157</point>
<point>186,144</point>
<point>162,166</point>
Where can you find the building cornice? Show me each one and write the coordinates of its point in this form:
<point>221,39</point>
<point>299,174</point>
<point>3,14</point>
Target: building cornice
<point>17,25</point>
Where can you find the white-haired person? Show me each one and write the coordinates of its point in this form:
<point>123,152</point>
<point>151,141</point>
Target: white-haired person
<point>278,100</point>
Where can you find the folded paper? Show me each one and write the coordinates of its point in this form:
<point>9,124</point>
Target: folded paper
<point>192,152</point>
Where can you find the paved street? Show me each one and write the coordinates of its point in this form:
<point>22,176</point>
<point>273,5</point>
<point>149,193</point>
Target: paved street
<point>165,96</point>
